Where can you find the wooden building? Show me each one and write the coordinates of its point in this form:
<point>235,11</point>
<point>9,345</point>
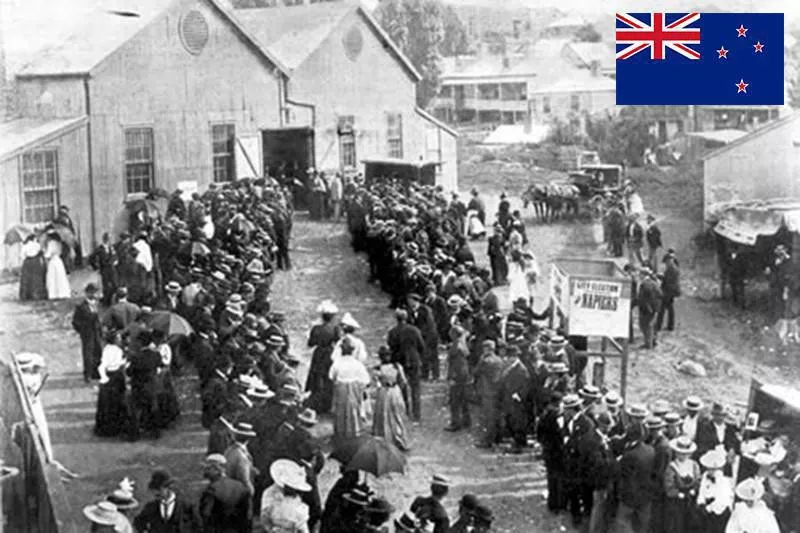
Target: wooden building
<point>181,94</point>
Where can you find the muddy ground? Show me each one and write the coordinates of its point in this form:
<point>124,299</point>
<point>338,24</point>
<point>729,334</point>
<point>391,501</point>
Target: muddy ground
<point>733,346</point>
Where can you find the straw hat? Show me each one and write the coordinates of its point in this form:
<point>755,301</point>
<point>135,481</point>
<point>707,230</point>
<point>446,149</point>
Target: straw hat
<point>327,307</point>
<point>683,445</point>
<point>308,417</point>
<point>590,392</point>
<point>260,392</point>
<point>173,287</point>
<point>660,408</point>
<point>713,459</point>
<point>750,490</point>
<point>612,399</point>
<point>637,411</point>
<point>654,422</point>
<point>572,401</point>
<point>357,497</point>
<point>407,523</point>
<point>104,513</point>
<point>693,403</point>
<point>243,429</point>
<point>440,481</point>
<point>122,500</point>
<point>349,321</point>
<point>287,473</point>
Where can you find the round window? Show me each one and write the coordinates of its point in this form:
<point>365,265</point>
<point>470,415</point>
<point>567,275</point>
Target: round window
<point>353,43</point>
<point>193,31</point>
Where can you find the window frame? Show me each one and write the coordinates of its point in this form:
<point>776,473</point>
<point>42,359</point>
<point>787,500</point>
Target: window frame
<point>231,155</point>
<point>126,163</point>
<point>55,188</point>
<point>394,143</point>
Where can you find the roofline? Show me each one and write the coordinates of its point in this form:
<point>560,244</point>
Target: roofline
<point>63,130</point>
<point>752,135</point>
<point>557,90</point>
<point>463,78</point>
<point>34,75</point>
<point>376,27</point>
<point>433,120</point>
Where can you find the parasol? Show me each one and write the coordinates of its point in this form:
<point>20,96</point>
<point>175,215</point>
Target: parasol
<point>62,233</point>
<point>378,457</point>
<point>157,192</point>
<point>343,451</point>
<point>150,207</point>
<point>18,234</point>
<point>168,323</point>
<point>196,248</point>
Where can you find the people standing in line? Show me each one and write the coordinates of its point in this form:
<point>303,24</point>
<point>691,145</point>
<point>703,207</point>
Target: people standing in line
<point>390,409</point>
<point>111,417</point>
<point>407,346</point>
<point>225,504</point>
<point>635,238</point>
<point>601,467</point>
<point>421,316</point>
<point>322,339</point>
<point>497,252</point>
<point>652,237</point>
<point>86,322</point>
<point>239,461</point>
<point>33,274</point>
<point>681,481</point>
<point>515,399</point>
<point>550,433</point>
<point>350,380</point>
<point>635,484</point>
<point>122,313</point>
<point>143,372</point>
<point>670,290</point>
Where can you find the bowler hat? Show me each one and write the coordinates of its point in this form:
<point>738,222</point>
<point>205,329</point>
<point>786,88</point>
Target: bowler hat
<point>159,478</point>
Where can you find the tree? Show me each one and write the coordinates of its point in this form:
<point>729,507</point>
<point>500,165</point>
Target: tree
<point>456,41</point>
<point>588,34</point>
<point>417,27</point>
<point>623,137</point>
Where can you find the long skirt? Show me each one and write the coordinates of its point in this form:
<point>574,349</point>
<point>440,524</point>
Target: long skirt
<point>167,399</point>
<point>32,284</point>
<point>347,420</point>
<point>111,417</point>
<point>517,283</point>
<point>57,280</point>
<point>318,383</point>
<point>680,516</point>
<point>389,416</point>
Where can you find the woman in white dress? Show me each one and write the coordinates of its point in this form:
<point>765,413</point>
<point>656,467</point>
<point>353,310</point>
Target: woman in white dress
<point>523,274</point>
<point>56,279</point>
<point>349,327</point>
<point>350,380</point>
<point>751,515</point>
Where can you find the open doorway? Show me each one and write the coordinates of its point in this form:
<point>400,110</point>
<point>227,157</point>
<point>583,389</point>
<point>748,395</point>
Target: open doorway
<point>290,151</point>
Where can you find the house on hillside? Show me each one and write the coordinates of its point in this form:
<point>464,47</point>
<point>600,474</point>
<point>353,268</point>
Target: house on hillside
<point>566,27</point>
<point>765,164</point>
<point>183,94</point>
<point>573,98</point>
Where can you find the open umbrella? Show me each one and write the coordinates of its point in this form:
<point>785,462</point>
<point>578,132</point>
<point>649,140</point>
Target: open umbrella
<point>168,323</point>
<point>150,207</point>
<point>17,234</point>
<point>157,192</point>
<point>62,233</point>
<point>344,450</point>
<point>378,457</point>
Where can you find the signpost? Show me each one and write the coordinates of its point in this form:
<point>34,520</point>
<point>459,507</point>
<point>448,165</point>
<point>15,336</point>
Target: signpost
<point>592,299</point>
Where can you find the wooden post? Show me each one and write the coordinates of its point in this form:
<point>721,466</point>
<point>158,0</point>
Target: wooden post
<point>623,382</point>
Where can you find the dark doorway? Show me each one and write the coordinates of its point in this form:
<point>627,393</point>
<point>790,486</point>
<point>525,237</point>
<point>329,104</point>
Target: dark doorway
<point>290,151</point>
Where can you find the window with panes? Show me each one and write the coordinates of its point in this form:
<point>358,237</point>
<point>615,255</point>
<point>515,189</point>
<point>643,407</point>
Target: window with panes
<point>347,142</point>
<point>39,186</point>
<point>394,135</point>
<point>223,140</point>
<point>138,160</point>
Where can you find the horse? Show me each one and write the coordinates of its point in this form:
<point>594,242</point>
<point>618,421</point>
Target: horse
<point>553,200</point>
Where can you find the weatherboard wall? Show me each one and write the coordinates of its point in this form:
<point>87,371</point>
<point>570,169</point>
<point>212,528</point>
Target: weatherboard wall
<point>153,81</point>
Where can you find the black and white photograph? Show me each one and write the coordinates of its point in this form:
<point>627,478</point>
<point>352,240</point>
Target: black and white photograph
<point>400,266</point>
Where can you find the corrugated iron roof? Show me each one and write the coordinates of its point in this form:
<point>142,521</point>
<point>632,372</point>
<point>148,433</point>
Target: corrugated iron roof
<point>23,134</point>
<point>723,136</point>
<point>769,126</point>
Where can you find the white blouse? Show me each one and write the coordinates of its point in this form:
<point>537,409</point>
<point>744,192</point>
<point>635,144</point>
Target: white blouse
<point>166,354</point>
<point>718,492</point>
<point>360,353</point>
<point>347,370</point>
<point>756,519</point>
<point>112,359</point>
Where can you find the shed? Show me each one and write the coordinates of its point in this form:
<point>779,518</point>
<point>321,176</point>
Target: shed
<point>761,165</point>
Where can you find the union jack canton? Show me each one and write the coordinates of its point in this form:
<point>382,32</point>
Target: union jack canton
<point>656,34</point>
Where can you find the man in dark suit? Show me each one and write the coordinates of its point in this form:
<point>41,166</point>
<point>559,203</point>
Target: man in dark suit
<point>577,425</point>
<point>429,509</point>
<point>104,261</point>
<point>123,313</point>
<point>172,298</point>
<point>550,433</point>
<point>168,512</point>
<point>225,505</point>
<point>497,250</point>
<point>648,300</point>
<point>600,468</point>
<point>663,455</point>
<point>715,432</point>
<point>421,316</point>
<point>215,395</point>
<point>653,238</point>
<point>670,289</point>
<point>407,346</point>
<point>143,368</point>
<point>488,373</point>
<point>203,351</point>
<point>515,398</point>
<point>635,483</point>
<point>458,379</point>
<point>438,307</point>
<point>86,321</point>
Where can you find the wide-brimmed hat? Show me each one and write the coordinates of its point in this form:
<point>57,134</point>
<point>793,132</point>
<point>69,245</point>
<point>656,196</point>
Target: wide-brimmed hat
<point>308,417</point>
<point>590,392</point>
<point>260,392</point>
<point>750,490</point>
<point>764,459</point>
<point>104,513</point>
<point>349,321</point>
<point>713,459</point>
<point>455,301</point>
<point>612,399</point>
<point>407,523</point>
<point>327,307</point>
<point>123,500</point>
<point>660,407</point>
<point>160,478</point>
<point>693,403</point>
<point>287,473</point>
<point>572,401</point>
<point>276,340</point>
<point>654,422</point>
<point>683,445</point>
<point>173,286</point>
<point>637,411</point>
<point>357,497</point>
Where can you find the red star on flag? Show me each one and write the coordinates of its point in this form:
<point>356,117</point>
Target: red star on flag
<point>742,87</point>
<point>723,54</point>
<point>742,31</point>
<point>759,47</point>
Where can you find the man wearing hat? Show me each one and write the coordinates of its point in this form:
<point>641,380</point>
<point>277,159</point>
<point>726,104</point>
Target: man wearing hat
<point>429,509</point>
<point>168,511</point>
<point>550,434</point>
<point>716,432</point>
<point>515,398</point>
<point>599,470</point>
<point>421,316</point>
<point>654,425</point>
<point>282,509</point>
<point>466,514</point>
<point>692,420</point>
<point>613,406</point>
<point>86,322</point>
<point>487,376</point>
<point>225,504</point>
<point>648,300</point>
<point>497,251</point>
<point>577,426</point>
<point>407,523</point>
<point>634,488</point>
<point>277,326</point>
<point>458,378</point>
<point>239,461</point>
<point>408,347</point>
<point>172,298</point>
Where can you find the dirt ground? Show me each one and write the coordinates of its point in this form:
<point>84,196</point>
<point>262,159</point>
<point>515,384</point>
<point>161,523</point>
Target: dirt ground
<point>732,345</point>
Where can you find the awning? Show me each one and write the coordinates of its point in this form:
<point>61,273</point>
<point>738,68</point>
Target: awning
<point>786,395</point>
<point>737,231</point>
<point>744,223</point>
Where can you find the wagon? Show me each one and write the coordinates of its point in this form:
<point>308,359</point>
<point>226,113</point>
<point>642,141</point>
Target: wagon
<point>594,179</point>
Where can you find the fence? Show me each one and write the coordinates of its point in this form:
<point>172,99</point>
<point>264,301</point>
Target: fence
<point>35,500</point>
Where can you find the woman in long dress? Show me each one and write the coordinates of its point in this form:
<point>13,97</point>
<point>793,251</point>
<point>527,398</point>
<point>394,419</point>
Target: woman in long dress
<point>715,495</point>
<point>32,284</point>
<point>322,339</point>
<point>523,273</point>
<point>111,417</point>
<point>751,515</point>
<point>56,279</point>
<point>166,397</point>
<point>681,481</point>
<point>350,380</point>
<point>390,408</point>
